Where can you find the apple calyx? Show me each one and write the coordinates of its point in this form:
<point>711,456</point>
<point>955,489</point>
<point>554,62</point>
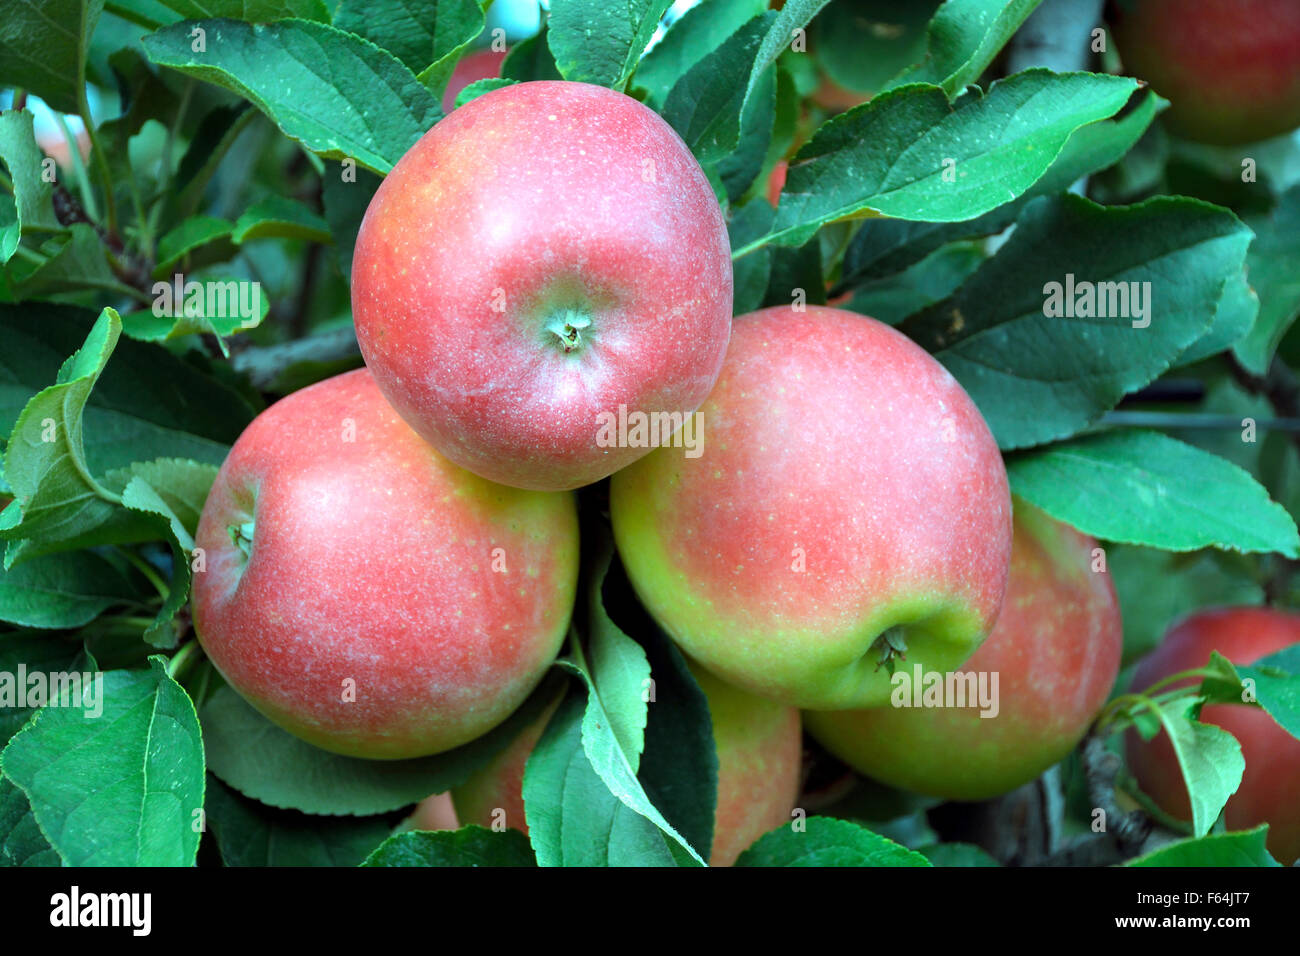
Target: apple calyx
<point>890,647</point>
<point>567,326</point>
<point>242,537</point>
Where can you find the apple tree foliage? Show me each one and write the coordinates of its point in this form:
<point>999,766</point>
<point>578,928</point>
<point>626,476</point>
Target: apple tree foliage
<point>242,139</point>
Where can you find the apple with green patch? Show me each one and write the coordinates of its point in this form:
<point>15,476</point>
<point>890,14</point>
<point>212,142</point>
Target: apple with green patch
<point>849,505</point>
<point>1050,662</point>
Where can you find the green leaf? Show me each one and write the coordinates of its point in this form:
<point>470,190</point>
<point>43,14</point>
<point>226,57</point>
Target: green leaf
<point>573,817</point>
<point>43,47</point>
<point>147,404</point>
<point>529,60</point>
<point>679,765</point>
<point>199,303</point>
<point>405,28</point>
<point>194,233</point>
<point>695,34</point>
<point>704,106</point>
<point>59,501</point>
<point>909,154</point>
<point>1274,264</point>
<point>456,24</point>
<point>1277,686</point>
<point>261,761</point>
<point>1233,318</point>
<point>337,94</point>
<point>793,16</point>
<point>599,42</point>
<point>861,45</point>
<point>616,766</point>
<point>1156,587</point>
<point>963,39</point>
<point>76,261</point>
<point>750,273</point>
<point>21,840</point>
<point>249,833</point>
<point>63,590</point>
<point>828,842</point>
<point>892,298</point>
<point>883,247</point>
<point>32,194</point>
<point>254,11</point>
<point>476,89</point>
<point>345,201</point>
<point>468,846</point>
<point>121,788</point>
<point>1040,360</point>
<point>621,675</point>
<point>956,854</point>
<point>1142,487</point>
<point>278,217</point>
<point>174,490</point>
<point>217,133</point>
<point>34,652</point>
<point>1210,759</point>
<point>1218,849</point>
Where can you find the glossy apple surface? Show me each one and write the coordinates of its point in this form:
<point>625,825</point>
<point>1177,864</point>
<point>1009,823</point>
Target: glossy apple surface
<point>1230,68</point>
<point>1055,649</point>
<point>846,486</point>
<point>545,254</point>
<point>366,594</point>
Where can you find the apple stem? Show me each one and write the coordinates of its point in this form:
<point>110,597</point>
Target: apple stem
<point>567,326</point>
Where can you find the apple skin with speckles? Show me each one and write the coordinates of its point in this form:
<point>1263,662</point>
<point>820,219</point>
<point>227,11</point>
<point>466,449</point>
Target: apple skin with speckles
<point>846,486</point>
<point>1056,651</point>
<point>366,594</point>
<point>1230,68</point>
<point>760,764</point>
<point>546,253</point>
<point>1270,785</point>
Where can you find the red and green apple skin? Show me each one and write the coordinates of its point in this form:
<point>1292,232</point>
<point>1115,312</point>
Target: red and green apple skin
<point>1056,651</point>
<point>847,485</point>
<point>344,557</point>
<point>1230,68</point>
<point>1270,786</point>
<point>479,65</point>
<point>546,253</point>
<point>759,746</point>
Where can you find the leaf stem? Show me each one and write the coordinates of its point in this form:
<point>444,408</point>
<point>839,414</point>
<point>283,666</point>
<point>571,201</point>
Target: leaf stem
<point>181,659</point>
<point>148,570</point>
<point>78,168</point>
<point>101,161</point>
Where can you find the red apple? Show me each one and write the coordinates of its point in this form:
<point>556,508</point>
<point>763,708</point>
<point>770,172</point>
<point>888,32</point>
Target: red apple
<point>1270,787</point>
<point>1230,68</point>
<point>366,594</point>
<point>434,813</point>
<point>479,65</point>
<point>759,766</point>
<point>545,255</point>
<point>1055,651</point>
<point>848,495</point>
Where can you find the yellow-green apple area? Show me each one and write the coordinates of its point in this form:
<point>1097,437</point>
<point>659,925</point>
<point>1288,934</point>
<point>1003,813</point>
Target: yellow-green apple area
<point>851,505</point>
<point>1055,653</point>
